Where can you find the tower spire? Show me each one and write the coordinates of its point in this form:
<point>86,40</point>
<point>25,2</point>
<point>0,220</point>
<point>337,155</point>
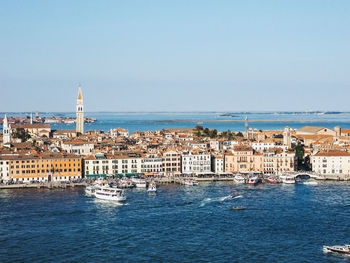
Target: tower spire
<point>80,113</point>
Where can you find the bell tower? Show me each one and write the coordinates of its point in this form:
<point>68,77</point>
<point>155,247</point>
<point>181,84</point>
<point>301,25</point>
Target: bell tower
<point>80,113</point>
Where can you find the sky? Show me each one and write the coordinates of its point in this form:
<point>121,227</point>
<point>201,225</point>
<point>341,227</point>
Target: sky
<point>191,55</point>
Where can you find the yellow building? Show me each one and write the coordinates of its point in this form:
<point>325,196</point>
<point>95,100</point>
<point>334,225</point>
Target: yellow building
<point>45,167</point>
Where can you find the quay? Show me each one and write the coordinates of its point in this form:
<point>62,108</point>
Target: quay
<point>42,185</point>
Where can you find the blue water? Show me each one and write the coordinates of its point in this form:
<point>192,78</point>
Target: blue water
<point>139,121</point>
<point>282,223</point>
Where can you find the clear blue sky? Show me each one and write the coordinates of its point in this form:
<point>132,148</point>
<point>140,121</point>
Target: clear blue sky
<point>175,55</point>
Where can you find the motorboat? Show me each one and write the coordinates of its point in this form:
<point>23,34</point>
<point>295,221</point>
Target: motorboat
<point>272,179</point>
<point>195,182</point>
<point>337,249</point>
<point>110,194</point>
<point>287,179</point>
<point>239,179</point>
<point>253,180</point>
<point>189,182</point>
<point>152,188</point>
<point>237,208</point>
<point>139,183</point>
<point>125,183</point>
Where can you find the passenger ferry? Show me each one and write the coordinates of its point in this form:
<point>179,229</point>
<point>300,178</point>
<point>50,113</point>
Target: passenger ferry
<point>110,194</point>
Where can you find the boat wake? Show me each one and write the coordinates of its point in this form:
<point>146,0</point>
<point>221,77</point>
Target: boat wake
<point>218,199</point>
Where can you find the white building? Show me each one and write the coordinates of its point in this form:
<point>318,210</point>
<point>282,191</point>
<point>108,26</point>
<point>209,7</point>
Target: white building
<point>4,169</point>
<point>119,132</point>
<point>78,147</point>
<point>218,164</point>
<point>100,164</point>
<point>80,113</point>
<point>196,162</point>
<point>266,145</point>
<point>332,162</point>
<point>152,163</point>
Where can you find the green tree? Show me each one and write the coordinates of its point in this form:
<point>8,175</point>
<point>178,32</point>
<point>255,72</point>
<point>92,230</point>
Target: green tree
<point>239,134</point>
<point>299,152</point>
<point>199,128</point>
<point>22,134</point>
<point>213,133</point>
<point>198,134</point>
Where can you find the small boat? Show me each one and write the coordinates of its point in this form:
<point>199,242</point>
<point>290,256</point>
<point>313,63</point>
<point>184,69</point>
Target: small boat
<point>237,208</point>
<point>189,182</point>
<point>311,182</point>
<point>152,188</point>
<point>287,179</point>
<point>253,180</point>
<point>345,250</point>
<point>195,182</point>
<point>239,179</point>
<point>110,194</point>
<point>272,179</point>
<point>139,183</point>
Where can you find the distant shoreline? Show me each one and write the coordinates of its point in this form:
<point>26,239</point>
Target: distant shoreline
<point>251,121</point>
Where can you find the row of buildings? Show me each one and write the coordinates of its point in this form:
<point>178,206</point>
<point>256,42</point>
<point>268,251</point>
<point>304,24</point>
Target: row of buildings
<point>63,155</point>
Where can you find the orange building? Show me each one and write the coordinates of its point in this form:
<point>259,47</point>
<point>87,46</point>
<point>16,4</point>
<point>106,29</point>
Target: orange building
<point>45,167</point>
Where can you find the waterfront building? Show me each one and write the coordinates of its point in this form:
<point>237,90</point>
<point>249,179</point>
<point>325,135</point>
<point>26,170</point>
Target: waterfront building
<point>44,167</point>
<point>78,147</point>
<point>4,169</point>
<point>278,161</point>
<point>152,164</point>
<point>6,131</point>
<point>172,162</point>
<point>111,165</point>
<point>331,162</point>
<point>218,166</point>
<point>196,162</point>
<point>80,113</point>
<point>243,160</point>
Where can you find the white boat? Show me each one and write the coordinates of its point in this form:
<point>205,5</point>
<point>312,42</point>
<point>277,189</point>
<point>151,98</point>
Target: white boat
<point>195,182</point>
<point>337,249</point>
<point>239,179</point>
<point>139,183</point>
<point>310,182</point>
<point>287,179</point>
<point>90,190</point>
<point>110,193</point>
<point>189,182</point>
<point>253,180</point>
<point>152,188</point>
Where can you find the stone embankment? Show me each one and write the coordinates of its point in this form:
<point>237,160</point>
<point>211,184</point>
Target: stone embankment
<point>41,185</point>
